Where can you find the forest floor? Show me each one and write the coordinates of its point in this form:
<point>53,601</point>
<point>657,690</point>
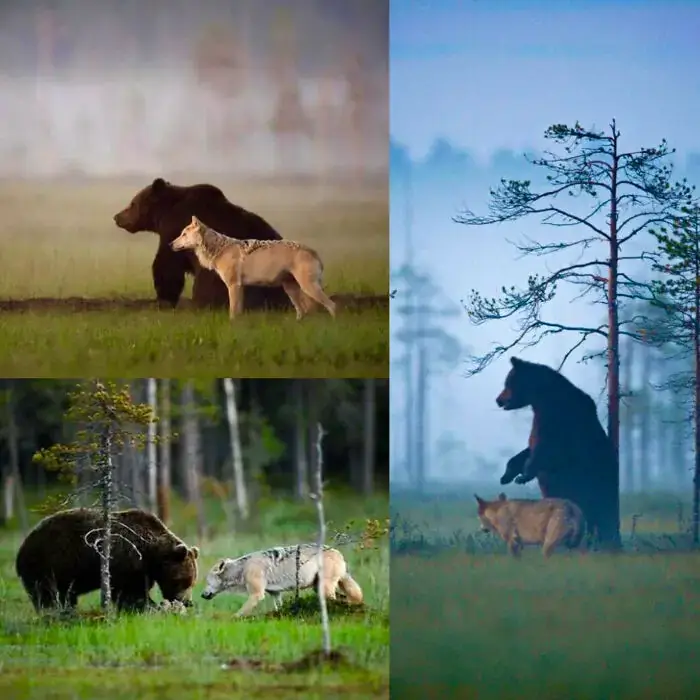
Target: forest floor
<point>469,621</point>
<point>208,653</point>
<point>77,299</point>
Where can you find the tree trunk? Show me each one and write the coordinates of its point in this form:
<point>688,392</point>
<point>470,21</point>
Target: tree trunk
<point>192,454</point>
<point>368,465</point>
<point>696,348</point>
<point>165,480</point>
<point>107,489</point>
<point>13,482</point>
<point>317,495</point>
<point>151,452</point>
<point>236,452</point>
<point>610,538</point>
<point>301,461</point>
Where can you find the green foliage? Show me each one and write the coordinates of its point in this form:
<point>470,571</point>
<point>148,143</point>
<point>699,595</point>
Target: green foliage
<point>92,409</point>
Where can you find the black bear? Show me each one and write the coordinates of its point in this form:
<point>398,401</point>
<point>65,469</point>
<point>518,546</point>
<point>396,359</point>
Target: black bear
<point>57,563</point>
<point>165,209</point>
<point>568,452</point>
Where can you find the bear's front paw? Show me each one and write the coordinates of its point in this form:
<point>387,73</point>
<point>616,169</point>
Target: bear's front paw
<point>505,479</point>
<point>523,479</point>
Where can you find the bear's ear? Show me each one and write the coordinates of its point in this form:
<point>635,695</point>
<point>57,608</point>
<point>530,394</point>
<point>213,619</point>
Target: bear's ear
<point>179,551</point>
<point>515,361</point>
<point>502,497</point>
<point>195,552</point>
<point>158,184</point>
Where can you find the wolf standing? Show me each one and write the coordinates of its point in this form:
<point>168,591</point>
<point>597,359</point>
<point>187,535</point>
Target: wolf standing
<point>281,569</point>
<point>548,521</point>
<point>296,267</point>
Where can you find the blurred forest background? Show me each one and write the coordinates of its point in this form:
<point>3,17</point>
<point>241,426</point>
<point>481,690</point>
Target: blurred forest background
<point>233,445</point>
<point>216,86</point>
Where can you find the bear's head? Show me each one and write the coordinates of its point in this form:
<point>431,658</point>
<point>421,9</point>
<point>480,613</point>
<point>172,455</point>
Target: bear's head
<point>176,572</point>
<point>148,206</point>
<point>524,384</point>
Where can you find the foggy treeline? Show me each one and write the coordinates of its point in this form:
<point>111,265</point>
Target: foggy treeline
<point>234,440</point>
<point>238,87</point>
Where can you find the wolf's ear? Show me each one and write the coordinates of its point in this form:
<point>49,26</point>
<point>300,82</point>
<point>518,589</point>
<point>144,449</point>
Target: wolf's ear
<point>479,500</point>
<point>502,497</point>
<point>220,566</point>
<point>195,220</point>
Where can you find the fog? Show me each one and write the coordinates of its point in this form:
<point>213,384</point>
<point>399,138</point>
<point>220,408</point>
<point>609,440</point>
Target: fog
<point>120,88</point>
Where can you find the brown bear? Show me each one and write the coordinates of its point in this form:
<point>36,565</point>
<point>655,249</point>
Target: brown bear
<point>57,562</point>
<point>569,452</point>
<point>165,209</point>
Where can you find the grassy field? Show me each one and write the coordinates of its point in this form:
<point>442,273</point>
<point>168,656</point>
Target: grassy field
<point>468,621</point>
<point>76,294</point>
<point>206,653</point>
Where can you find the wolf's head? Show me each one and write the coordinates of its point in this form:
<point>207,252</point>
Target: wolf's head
<point>487,511</point>
<point>221,576</point>
<point>191,236</point>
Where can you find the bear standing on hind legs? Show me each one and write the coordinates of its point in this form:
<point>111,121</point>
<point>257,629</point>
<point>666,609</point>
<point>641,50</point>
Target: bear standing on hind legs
<point>165,209</point>
<point>569,453</point>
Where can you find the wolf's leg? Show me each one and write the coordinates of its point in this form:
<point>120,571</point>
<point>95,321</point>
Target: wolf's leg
<point>550,537</point>
<point>291,287</point>
<point>313,289</point>
<point>253,600</point>
<point>235,300</point>
<point>276,599</point>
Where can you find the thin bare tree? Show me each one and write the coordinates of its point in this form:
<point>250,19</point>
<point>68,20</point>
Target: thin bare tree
<point>236,452</point>
<point>151,452</point>
<point>165,462</point>
<point>369,442</point>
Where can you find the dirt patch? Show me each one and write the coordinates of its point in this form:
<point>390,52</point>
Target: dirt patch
<point>350,302</point>
<point>335,660</point>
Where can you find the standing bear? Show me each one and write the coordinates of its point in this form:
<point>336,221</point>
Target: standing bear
<point>165,209</point>
<point>568,452</point>
<point>57,562</point>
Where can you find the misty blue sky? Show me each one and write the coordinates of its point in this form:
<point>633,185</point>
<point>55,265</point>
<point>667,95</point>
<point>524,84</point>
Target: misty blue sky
<point>483,80</point>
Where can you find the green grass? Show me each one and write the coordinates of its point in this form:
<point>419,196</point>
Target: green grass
<point>159,655</point>
<point>61,243</point>
<point>479,624</point>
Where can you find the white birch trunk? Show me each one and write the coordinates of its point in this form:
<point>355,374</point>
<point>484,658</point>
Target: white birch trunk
<point>236,452</point>
<point>165,481</point>
<point>317,495</point>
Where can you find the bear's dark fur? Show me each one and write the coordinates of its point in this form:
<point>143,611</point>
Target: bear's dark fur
<point>569,452</point>
<point>57,564</point>
<point>165,209</point>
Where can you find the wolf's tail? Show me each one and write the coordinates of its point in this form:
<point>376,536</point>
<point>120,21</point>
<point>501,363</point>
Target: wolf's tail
<point>351,588</point>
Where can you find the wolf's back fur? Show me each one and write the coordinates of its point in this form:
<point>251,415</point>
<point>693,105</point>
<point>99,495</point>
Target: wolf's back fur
<point>548,521</point>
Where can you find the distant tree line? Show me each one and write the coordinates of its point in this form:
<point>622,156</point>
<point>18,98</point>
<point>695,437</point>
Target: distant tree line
<point>228,439</point>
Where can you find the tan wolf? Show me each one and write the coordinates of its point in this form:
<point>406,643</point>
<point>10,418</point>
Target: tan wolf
<point>294,266</point>
<point>275,570</point>
<point>548,521</point>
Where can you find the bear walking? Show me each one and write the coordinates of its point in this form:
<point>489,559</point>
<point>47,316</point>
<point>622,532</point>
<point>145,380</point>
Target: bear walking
<point>57,564</point>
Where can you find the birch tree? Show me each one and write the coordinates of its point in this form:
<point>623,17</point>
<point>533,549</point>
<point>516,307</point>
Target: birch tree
<point>105,415</point>
<point>165,461</point>
<point>192,453</point>
<point>236,452</point>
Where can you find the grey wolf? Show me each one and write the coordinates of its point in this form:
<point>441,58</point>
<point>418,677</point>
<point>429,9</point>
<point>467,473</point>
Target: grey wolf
<point>294,266</point>
<point>274,571</point>
<point>548,521</point>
